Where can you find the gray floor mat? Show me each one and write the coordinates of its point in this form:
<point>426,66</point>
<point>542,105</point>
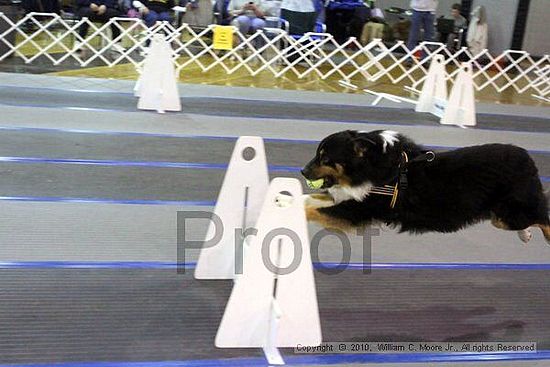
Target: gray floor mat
<point>121,183</point>
<point>54,315</point>
<point>128,147</point>
<point>117,183</point>
<point>259,109</point>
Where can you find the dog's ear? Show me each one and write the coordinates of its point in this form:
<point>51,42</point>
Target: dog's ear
<point>361,144</point>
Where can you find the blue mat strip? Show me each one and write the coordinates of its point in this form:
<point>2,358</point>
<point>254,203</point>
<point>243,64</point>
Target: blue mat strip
<point>183,165</point>
<point>47,199</point>
<point>317,265</point>
<point>327,360</point>
<point>98,162</point>
<point>203,137</point>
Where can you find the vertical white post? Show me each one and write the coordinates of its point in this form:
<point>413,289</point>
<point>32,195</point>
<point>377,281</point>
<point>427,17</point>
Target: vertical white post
<point>238,206</point>
<point>157,86</point>
<point>461,109</point>
<point>434,90</point>
<point>274,303</point>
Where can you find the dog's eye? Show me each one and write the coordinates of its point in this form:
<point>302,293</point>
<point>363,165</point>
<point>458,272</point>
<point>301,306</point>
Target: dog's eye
<point>324,161</point>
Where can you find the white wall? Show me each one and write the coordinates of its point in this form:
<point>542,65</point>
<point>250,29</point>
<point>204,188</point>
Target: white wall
<point>501,18</point>
<point>536,40</point>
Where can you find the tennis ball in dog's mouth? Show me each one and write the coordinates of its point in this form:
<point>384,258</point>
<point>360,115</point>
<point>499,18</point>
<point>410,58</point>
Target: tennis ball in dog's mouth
<point>316,184</point>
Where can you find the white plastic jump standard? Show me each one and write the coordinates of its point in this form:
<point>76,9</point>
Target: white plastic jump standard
<point>433,96</point>
<point>157,86</point>
<point>461,108</point>
<point>265,313</point>
<point>238,206</point>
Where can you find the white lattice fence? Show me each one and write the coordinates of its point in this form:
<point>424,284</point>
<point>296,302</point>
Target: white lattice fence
<point>272,51</point>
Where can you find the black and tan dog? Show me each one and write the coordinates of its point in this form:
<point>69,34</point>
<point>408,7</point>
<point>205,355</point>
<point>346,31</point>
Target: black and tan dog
<point>383,176</point>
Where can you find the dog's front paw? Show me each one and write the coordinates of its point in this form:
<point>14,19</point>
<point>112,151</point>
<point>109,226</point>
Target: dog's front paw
<point>318,200</point>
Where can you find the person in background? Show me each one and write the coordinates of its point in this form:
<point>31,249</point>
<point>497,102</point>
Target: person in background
<point>477,31</point>
<point>300,14</point>
<point>423,15</point>
<point>221,12</point>
<point>248,14</point>
<point>154,11</point>
<point>460,23</point>
<point>98,11</point>
<point>272,7</point>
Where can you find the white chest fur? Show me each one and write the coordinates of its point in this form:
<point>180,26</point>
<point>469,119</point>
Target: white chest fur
<point>343,193</point>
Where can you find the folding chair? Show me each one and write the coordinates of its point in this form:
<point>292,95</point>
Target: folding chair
<point>297,24</point>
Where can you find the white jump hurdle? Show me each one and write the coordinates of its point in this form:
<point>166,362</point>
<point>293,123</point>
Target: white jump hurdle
<point>238,206</point>
<point>461,107</point>
<point>433,96</point>
<point>456,109</point>
<point>274,302</point>
<point>157,87</point>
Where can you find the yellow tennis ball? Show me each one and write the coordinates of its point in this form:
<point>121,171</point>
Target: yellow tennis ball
<point>317,184</point>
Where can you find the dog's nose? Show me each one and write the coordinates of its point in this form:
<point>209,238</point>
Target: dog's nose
<point>303,172</point>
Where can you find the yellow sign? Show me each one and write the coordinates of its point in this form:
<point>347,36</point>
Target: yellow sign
<point>223,37</point>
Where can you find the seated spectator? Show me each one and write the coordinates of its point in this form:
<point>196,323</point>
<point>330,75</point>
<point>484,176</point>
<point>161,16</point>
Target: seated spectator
<point>221,12</point>
<point>346,18</point>
<point>38,6</point>
<point>41,6</point>
<point>248,15</point>
<point>154,11</point>
<point>98,11</point>
<point>459,23</point>
<point>300,14</point>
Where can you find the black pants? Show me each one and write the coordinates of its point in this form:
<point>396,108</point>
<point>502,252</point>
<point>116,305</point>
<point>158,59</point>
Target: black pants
<point>94,17</point>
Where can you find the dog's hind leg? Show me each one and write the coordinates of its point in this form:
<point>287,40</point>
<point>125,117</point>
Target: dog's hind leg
<point>545,228</point>
<point>499,223</point>
<point>524,235</point>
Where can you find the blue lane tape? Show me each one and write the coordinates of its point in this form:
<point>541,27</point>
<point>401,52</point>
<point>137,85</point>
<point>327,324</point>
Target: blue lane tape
<point>331,359</point>
<point>149,135</point>
<point>325,360</point>
<point>106,201</point>
<point>202,137</point>
<point>442,266</point>
<point>70,108</point>
<point>73,90</point>
<point>317,265</point>
<point>94,265</point>
<point>234,362</point>
<point>97,162</point>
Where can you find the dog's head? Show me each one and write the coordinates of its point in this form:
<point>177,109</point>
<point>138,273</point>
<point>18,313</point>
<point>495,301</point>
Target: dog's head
<point>352,158</point>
